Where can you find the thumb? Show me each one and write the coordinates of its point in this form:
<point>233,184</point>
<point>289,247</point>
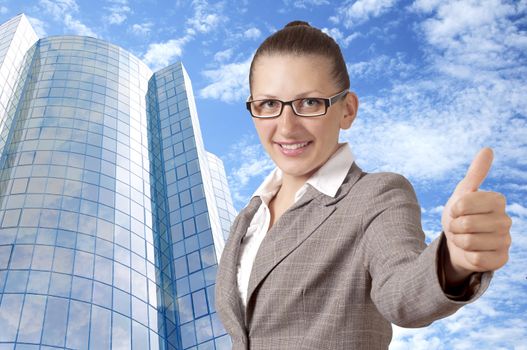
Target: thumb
<point>476,173</point>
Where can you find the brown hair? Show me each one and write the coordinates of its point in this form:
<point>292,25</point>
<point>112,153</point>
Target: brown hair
<point>299,38</point>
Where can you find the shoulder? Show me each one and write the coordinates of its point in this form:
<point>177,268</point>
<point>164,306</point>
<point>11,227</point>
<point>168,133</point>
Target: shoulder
<point>374,193</point>
<point>371,185</point>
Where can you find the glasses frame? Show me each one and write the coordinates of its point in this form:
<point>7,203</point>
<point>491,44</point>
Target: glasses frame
<point>328,102</point>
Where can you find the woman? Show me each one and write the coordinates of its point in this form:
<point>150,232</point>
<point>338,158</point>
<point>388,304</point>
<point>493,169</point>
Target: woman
<point>325,256</point>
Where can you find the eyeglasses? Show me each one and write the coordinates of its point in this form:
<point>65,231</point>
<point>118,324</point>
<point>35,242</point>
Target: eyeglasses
<point>303,107</point>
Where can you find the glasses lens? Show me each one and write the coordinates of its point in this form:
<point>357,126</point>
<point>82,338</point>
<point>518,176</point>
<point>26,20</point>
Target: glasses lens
<point>310,106</point>
<point>266,108</point>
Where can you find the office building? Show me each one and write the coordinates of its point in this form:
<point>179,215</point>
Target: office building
<point>112,213</point>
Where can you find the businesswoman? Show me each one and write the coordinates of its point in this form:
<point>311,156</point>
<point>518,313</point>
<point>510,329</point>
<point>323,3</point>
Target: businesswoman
<point>325,256</point>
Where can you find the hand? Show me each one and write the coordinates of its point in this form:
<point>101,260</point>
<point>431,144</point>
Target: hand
<point>475,224</point>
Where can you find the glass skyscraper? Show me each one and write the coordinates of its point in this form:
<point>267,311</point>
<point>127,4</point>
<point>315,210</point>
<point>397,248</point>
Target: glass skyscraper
<point>112,214</point>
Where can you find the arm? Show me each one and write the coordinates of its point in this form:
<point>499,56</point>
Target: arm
<point>406,286</point>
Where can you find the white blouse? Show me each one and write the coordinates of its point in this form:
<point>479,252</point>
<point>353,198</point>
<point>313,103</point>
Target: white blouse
<point>327,180</point>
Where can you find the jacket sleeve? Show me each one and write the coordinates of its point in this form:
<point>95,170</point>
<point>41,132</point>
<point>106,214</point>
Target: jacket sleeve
<point>406,273</point>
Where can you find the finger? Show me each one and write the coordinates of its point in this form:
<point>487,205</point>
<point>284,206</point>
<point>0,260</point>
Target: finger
<point>482,242</point>
<point>478,203</point>
<point>486,261</point>
<point>480,223</point>
<point>477,172</point>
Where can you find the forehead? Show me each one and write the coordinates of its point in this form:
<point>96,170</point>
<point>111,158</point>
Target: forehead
<point>288,74</point>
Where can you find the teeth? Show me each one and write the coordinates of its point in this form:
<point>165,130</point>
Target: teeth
<point>294,146</point>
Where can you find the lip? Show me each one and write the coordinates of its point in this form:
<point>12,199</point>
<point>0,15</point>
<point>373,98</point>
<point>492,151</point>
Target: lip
<point>292,152</point>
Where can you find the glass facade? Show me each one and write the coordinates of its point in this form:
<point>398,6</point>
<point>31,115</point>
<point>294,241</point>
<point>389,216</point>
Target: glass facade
<point>222,193</point>
<point>110,227</point>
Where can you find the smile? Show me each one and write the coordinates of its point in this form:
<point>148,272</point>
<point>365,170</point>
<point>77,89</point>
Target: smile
<point>293,146</point>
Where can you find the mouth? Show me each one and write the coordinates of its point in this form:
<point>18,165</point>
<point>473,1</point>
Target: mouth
<point>293,149</point>
<point>294,146</point>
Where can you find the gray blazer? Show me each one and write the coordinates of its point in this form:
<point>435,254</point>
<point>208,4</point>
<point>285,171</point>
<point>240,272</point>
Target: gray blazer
<point>332,273</point>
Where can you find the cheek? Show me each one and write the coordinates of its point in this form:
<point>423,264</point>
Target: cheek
<point>327,131</point>
<point>263,129</point>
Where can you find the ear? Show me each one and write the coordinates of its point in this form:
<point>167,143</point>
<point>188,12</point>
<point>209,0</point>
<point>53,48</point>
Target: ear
<point>351,105</point>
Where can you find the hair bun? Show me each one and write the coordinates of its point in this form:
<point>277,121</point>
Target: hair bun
<point>297,23</point>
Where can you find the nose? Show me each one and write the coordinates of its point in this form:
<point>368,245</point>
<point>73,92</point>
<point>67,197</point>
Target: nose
<point>288,120</point>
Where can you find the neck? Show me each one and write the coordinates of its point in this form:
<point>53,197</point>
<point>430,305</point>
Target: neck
<point>291,184</point>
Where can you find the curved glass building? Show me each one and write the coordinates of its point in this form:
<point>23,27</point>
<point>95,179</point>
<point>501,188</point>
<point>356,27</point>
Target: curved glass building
<point>110,228</point>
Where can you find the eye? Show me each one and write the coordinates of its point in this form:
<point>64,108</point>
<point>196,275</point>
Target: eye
<point>268,104</point>
<point>311,102</point>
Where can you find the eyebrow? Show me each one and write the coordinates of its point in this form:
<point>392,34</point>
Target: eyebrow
<point>309,93</point>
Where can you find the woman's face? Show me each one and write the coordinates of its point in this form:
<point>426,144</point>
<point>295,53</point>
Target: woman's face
<point>299,145</point>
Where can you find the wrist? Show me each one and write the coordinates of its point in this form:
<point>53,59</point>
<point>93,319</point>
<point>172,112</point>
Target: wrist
<point>453,279</point>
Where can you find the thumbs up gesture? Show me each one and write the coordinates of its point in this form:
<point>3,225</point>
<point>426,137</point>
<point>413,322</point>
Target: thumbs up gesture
<point>475,224</point>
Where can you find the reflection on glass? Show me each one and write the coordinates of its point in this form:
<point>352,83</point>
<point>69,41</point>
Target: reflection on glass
<point>139,311</point>
<point>81,288</point>
<point>103,269</point>
<point>121,278</point>
<point>203,329</point>
<point>78,325</point>
<point>140,336</point>
<point>42,257</point>
<point>16,282</point>
<point>21,257</point>
<point>200,303</point>
<point>38,282</point>
<point>9,316</point>
<point>185,308</point>
<point>121,332</point>
<point>54,331</point>
<point>100,328</point>
<point>63,260</point>
<point>223,343</point>
<point>121,301</point>
<point>84,264</point>
<point>102,294</point>
<point>188,335</point>
<point>139,284</point>
<point>60,285</point>
<point>31,321</point>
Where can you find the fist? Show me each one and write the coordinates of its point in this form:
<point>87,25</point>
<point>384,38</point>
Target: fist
<point>475,224</point>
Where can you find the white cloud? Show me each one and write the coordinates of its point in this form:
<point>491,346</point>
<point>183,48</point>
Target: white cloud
<point>335,33</point>
<point>517,209</point>
<point>437,210</point>
<point>3,10</point>
<point>38,25</point>
<point>222,56</point>
<point>77,26</point>
<point>380,66</point>
<point>119,11</point>
<point>252,33</point>
<point>423,130</point>
<point>142,29</point>
<point>307,3</point>
<point>63,10</point>
<point>515,187</point>
<point>59,7</point>
<point>206,17</point>
<point>432,122</point>
<point>160,55</point>
<point>361,10</point>
<point>339,37</point>
<point>471,40</point>
<point>229,82</point>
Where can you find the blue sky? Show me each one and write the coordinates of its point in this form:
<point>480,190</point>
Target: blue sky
<point>437,80</point>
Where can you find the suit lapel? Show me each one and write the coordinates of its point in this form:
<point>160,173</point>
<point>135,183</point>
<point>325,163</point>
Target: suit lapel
<point>294,227</point>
